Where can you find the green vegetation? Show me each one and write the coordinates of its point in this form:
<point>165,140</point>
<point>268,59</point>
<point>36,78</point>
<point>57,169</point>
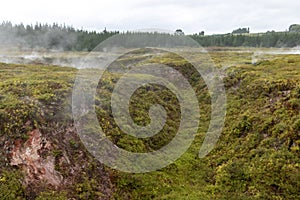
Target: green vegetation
<point>61,37</point>
<point>52,195</point>
<point>294,28</point>
<point>11,186</point>
<point>38,97</point>
<point>269,39</point>
<point>241,30</point>
<point>48,36</point>
<point>88,189</point>
<point>31,97</point>
<point>256,157</point>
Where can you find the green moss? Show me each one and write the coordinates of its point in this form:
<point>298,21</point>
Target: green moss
<point>256,157</point>
<point>31,95</point>
<point>88,189</point>
<point>11,186</point>
<point>52,195</point>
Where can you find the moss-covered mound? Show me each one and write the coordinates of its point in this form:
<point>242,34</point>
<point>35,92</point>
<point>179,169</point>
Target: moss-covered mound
<point>256,157</point>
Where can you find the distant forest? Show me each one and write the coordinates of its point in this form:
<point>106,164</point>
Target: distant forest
<point>53,36</point>
<point>63,37</point>
<point>268,39</point>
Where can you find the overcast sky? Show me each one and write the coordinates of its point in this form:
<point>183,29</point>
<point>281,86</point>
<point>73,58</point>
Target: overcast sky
<point>192,16</point>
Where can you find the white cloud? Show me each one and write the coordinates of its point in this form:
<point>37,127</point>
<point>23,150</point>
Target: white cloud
<point>214,16</point>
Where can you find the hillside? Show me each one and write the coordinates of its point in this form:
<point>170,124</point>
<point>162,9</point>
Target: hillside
<point>256,157</point>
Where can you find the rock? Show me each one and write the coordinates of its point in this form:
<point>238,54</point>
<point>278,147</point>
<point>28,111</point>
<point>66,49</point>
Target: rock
<point>28,157</point>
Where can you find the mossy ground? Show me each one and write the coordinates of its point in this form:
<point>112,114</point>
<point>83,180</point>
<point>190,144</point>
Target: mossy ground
<point>256,157</point>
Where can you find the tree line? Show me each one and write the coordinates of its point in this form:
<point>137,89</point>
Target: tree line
<point>268,39</point>
<point>67,38</point>
<point>49,36</point>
